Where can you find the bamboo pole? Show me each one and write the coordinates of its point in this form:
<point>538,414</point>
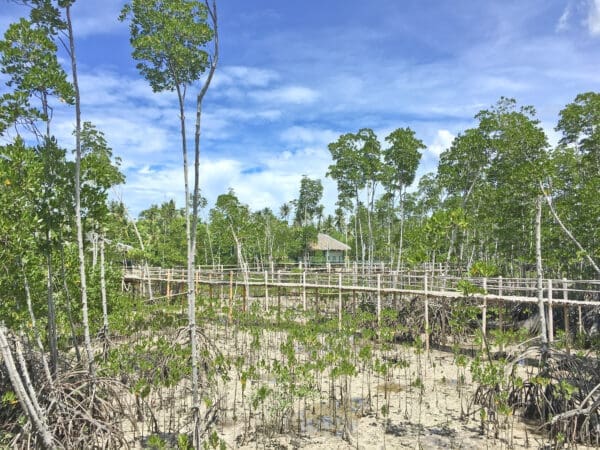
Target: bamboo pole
<point>500,311</point>
<point>550,314</point>
<point>278,294</point>
<point>566,317</point>
<point>169,274</point>
<point>230,316</point>
<point>484,310</point>
<point>426,313</point>
<point>580,319</point>
<point>266,291</point>
<point>304,291</point>
<point>340,301</point>
<point>378,301</point>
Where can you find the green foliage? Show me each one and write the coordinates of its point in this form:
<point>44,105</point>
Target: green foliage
<point>468,288</point>
<point>483,269</point>
<point>401,158</point>
<point>168,40</point>
<point>307,205</point>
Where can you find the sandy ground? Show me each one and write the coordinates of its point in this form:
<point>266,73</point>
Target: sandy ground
<point>440,415</point>
<point>428,405</point>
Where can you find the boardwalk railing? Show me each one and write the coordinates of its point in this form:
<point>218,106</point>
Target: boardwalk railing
<point>422,284</point>
<point>417,282</point>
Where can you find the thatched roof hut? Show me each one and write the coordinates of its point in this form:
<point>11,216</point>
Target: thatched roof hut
<point>328,249</point>
<point>326,242</point>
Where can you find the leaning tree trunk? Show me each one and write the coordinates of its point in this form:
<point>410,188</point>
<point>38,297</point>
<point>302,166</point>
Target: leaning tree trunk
<point>568,233</point>
<point>28,405</point>
<point>146,269</point>
<point>36,332</point>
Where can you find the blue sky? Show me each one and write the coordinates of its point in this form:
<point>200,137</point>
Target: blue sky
<point>294,75</point>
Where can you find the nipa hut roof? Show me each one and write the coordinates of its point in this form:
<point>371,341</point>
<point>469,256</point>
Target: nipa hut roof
<point>326,242</point>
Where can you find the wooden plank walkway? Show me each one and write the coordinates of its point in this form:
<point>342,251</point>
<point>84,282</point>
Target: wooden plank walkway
<point>425,285</point>
<point>418,283</point>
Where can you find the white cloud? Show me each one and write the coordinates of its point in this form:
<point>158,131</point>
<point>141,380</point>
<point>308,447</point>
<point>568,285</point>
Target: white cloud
<point>244,76</point>
<point>443,140</point>
<point>298,134</point>
<point>593,20</point>
<point>297,95</point>
<point>586,13</point>
<point>563,21</point>
<point>276,181</point>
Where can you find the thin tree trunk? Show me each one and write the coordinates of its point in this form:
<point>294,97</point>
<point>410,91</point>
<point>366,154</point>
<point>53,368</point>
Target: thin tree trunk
<point>464,204</point>
<point>78,224</point>
<point>146,269</point>
<point>26,403</point>
<point>540,275</point>
<point>194,224</point>
<point>26,378</point>
<point>401,244</point>
<point>568,233</point>
<point>103,291</point>
<point>371,199</point>
<point>52,339</point>
<point>68,302</point>
<point>36,332</point>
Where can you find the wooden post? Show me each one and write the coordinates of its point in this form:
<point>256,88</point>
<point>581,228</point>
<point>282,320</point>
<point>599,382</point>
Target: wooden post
<point>566,317</point>
<point>426,312</point>
<point>500,306</point>
<point>580,320</point>
<point>244,297</point>
<point>484,309</point>
<point>169,283</point>
<point>340,301</point>
<point>266,291</point>
<point>550,314</point>
<point>230,296</point>
<point>221,293</point>
<point>278,294</point>
<point>304,291</point>
<point>378,301</point>
<point>210,286</point>
<point>500,310</point>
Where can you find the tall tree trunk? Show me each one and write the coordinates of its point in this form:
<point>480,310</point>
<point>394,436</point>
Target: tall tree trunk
<point>52,339</point>
<point>78,224</point>
<point>143,248</point>
<point>194,225</point>
<point>51,331</point>
<point>103,290</point>
<point>371,249</point>
<point>68,301</point>
<point>401,244</point>
<point>540,276</point>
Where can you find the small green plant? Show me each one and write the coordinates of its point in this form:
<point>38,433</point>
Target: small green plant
<point>467,288</point>
<point>155,442</point>
<point>184,442</point>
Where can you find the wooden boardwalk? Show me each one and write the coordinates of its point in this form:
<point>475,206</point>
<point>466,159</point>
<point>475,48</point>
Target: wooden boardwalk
<point>344,284</point>
<point>418,283</point>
